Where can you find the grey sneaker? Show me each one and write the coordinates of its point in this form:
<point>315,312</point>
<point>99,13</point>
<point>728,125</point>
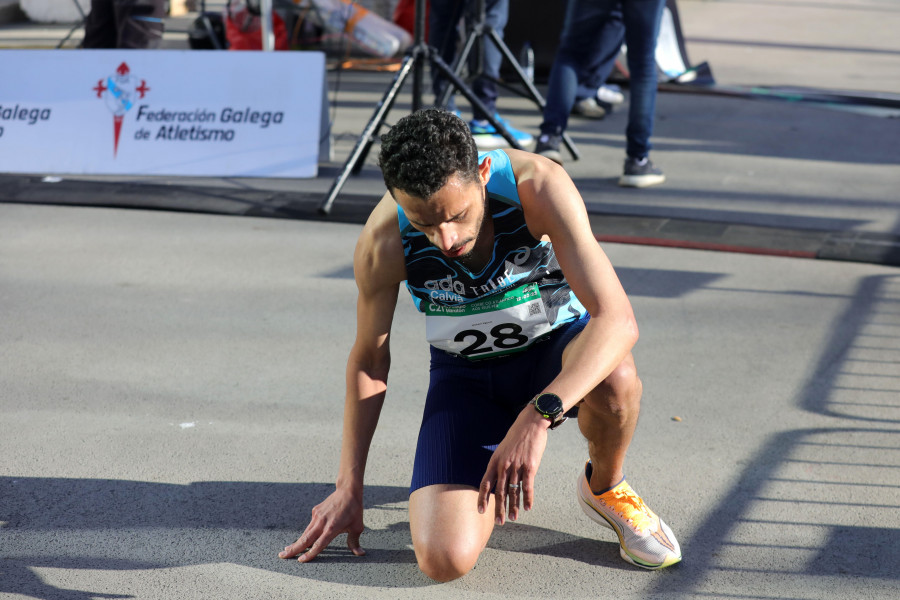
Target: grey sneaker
<point>548,146</point>
<point>589,108</point>
<point>640,172</point>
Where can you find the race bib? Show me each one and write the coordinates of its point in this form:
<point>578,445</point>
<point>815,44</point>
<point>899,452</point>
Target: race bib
<point>494,326</point>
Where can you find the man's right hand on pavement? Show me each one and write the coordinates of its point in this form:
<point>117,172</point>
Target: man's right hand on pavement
<point>341,512</point>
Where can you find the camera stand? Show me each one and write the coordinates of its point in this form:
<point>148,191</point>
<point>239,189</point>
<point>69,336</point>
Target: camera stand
<point>475,41</point>
<point>413,62</point>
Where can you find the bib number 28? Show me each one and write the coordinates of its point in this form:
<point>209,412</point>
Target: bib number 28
<point>504,336</point>
<point>489,327</point>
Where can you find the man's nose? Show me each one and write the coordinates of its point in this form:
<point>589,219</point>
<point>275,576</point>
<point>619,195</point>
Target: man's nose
<point>446,236</point>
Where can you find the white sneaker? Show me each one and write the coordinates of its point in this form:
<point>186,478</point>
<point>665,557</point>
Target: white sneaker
<point>610,94</point>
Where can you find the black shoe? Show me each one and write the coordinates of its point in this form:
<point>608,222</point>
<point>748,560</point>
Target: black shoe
<point>640,173</point>
<point>548,146</point>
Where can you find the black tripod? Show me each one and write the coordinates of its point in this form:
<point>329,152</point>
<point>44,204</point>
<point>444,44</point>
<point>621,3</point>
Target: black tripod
<point>475,41</point>
<point>414,62</point>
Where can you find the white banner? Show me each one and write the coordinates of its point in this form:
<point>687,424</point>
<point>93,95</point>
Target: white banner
<point>161,112</point>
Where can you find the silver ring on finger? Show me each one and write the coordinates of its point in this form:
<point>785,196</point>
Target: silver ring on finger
<point>514,486</point>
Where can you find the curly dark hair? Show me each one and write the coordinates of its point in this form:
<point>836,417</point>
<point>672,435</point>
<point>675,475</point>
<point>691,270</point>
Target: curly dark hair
<point>422,150</point>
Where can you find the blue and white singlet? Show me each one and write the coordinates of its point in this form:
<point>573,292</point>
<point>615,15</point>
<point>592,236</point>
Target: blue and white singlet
<point>518,298</point>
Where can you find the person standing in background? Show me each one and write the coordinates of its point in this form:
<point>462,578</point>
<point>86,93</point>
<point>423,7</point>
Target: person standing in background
<point>594,99</point>
<point>443,17</point>
<point>580,41</point>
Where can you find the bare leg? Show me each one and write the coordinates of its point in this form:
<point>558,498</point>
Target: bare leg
<point>448,533</point>
<point>607,417</point>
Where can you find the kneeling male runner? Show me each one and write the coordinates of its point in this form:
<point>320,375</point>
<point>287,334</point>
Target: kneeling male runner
<point>526,319</point>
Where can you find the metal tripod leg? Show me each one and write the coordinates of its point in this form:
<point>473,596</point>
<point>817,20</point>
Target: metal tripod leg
<point>479,30</point>
<point>75,27</point>
<point>461,86</point>
<point>357,156</point>
<point>410,63</point>
<point>529,86</point>
<point>457,69</point>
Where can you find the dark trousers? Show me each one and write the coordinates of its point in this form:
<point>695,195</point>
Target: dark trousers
<point>444,16</point>
<point>580,42</point>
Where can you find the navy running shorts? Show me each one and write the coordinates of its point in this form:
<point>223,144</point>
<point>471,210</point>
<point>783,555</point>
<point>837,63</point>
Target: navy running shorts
<point>472,404</point>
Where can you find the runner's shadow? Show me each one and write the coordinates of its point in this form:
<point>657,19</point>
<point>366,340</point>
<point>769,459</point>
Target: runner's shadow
<point>602,551</point>
<point>112,525</point>
<point>128,525</point>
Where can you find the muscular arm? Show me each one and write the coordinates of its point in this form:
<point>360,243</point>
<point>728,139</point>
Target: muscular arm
<point>378,269</point>
<point>554,208</point>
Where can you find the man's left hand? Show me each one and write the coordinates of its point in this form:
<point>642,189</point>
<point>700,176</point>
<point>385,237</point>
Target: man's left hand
<point>512,468</point>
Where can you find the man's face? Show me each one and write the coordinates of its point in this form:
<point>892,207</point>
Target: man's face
<point>452,218</point>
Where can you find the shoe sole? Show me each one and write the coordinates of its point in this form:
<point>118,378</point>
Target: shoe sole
<point>641,181</point>
<point>589,114</point>
<point>596,516</point>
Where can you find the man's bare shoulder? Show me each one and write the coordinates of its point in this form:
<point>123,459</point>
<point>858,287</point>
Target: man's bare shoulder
<point>527,164</point>
<point>547,193</point>
<point>378,258</point>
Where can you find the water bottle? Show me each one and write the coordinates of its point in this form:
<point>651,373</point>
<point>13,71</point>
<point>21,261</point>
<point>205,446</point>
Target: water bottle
<point>367,31</point>
<point>526,61</point>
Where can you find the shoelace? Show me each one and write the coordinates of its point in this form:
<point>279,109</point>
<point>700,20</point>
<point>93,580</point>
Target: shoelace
<point>630,507</point>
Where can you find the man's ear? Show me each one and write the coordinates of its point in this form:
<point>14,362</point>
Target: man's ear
<point>484,169</point>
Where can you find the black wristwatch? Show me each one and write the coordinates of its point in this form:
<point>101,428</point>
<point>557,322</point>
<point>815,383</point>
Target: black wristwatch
<point>550,407</point>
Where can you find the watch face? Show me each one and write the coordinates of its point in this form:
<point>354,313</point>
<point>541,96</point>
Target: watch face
<point>549,404</point>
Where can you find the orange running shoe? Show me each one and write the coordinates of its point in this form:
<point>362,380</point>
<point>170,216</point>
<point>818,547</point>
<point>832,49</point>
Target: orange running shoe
<point>644,539</point>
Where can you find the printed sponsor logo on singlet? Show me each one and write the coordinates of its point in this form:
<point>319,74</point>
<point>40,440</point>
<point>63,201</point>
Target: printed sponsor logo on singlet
<point>449,289</point>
